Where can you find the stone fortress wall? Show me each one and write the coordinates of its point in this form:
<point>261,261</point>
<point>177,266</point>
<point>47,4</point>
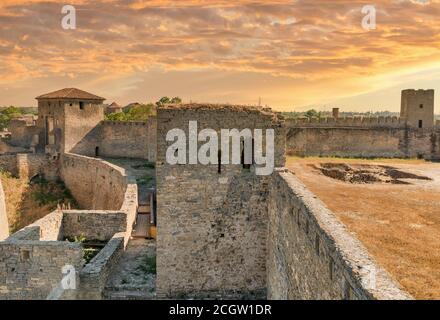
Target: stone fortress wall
<point>212,221</point>
<point>233,234</point>
<point>116,139</point>
<point>32,259</point>
<point>223,232</point>
<point>414,134</point>
<point>311,255</point>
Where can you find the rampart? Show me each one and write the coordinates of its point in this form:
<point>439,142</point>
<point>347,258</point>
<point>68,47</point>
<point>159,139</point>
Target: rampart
<point>120,139</point>
<point>28,165</point>
<point>311,255</point>
<point>212,220</point>
<point>361,137</point>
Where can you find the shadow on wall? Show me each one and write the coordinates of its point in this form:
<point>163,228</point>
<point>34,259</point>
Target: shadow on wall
<point>114,139</point>
<point>87,146</point>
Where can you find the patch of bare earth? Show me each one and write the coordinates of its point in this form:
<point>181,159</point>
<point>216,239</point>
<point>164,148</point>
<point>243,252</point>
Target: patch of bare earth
<point>392,206</point>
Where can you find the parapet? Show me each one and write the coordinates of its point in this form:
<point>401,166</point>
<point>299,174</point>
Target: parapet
<point>357,121</point>
<point>124,123</point>
<point>249,109</point>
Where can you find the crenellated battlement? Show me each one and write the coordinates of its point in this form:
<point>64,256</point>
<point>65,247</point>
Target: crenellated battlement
<point>387,122</point>
<point>124,123</point>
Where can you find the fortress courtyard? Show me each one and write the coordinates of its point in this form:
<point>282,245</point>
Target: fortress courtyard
<point>396,218</point>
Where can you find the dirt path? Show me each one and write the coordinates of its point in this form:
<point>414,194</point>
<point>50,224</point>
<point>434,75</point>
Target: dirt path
<point>134,278</point>
<point>398,223</point>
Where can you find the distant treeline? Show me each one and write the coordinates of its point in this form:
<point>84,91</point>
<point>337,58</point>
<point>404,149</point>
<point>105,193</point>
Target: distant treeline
<point>8,113</point>
<point>139,111</point>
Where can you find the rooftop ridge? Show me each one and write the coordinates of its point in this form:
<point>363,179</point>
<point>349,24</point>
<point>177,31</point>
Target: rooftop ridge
<point>70,93</point>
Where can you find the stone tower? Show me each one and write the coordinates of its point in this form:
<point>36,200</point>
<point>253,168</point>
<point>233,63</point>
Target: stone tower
<point>212,219</point>
<point>417,108</point>
<point>67,116</point>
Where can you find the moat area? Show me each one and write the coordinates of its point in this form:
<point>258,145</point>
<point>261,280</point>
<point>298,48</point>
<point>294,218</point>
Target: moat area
<point>399,223</point>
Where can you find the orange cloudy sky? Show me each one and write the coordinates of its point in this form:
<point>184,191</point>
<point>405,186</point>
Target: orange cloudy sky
<point>292,54</point>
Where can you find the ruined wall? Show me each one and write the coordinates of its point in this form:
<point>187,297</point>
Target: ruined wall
<point>4,225</point>
<point>27,165</point>
<point>212,226</point>
<point>310,253</point>
<point>95,184</point>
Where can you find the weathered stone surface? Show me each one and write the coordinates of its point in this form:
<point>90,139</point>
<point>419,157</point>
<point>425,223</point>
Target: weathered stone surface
<point>311,255</point>
<point>4,225</point>
<point>212,226</point>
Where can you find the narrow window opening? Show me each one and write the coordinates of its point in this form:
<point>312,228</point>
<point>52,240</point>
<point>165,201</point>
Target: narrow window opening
<point>330,268</point>
<point>25,255</point>
<point>97,152</point>
<point>421,106</point>
<point>219,162</point>
<point>245,166</point>
<point>317,244</point>
<point>81,105</point>
<point>420,124</point>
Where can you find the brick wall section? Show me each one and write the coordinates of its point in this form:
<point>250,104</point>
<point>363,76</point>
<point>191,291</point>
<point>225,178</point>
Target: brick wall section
<point>4,225</point>
<point>311,255</point>
<point>99,185</point>
<point>95,184</point>
<point>94,276</point>
<point>385,142</point>
<point>27,165</point>
<point>212,227</point>
<point>93,225</point>
<point>124,139</point>
<point>120,139</point>
<point>8,163</point>
<point>32,269</point>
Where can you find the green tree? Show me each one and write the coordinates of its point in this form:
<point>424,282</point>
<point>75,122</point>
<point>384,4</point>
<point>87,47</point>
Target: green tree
<point>7,114</point>
<point>312,113</point>
<point>176,100</point>
<point>162,101</point>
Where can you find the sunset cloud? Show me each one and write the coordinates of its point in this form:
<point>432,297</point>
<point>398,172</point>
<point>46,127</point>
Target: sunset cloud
<point>292,48</point>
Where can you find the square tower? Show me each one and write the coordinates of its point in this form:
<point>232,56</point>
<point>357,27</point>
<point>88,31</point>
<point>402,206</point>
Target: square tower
<point>212,218</point>
<point>65,117</point>
<point>417,108</point>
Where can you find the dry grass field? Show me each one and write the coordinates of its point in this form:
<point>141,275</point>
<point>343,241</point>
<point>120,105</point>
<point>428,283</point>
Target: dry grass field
<point>393,207</point>
<point>27,202</point>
